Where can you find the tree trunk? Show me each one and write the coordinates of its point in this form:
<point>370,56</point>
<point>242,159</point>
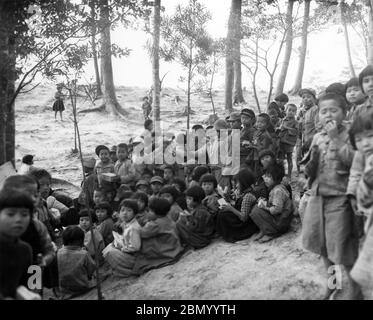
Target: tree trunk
<point>3,85</point>
<point>288,48</point>
<point>229,58</point>
<point>370,35</point>
<point>94,48</point>
<point>189,82</point>
<point>238,95</point>
<point>303,51</point>
<point>7,85</point>
<point>347,40</point>
<point>111,102</point>
<point>10,117</point>
<point>155,60</point>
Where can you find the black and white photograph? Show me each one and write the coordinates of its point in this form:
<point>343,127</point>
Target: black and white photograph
<point>203,151</point>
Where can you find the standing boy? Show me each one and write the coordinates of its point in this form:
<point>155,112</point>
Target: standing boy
<point>288,133</point>
<point>354,97</point>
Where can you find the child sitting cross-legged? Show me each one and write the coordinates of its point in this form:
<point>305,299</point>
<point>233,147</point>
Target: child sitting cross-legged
<point>75,265</point>
<point>233,223</point>
<point>86,226</point>
<point>120,254</point>
<point>160,244</point>
<point>170,193</point>
<point>209,184</point>
<point>273,217</point>
<point>196,226</point>
<point>143,186</point>
<point>156,184</point>
<point>105,223</point>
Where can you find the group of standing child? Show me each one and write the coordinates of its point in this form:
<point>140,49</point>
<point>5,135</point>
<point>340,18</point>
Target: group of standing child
<point>339,181</point>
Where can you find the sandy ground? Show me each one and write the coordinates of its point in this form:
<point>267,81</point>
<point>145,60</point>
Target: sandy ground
<point>280,269</point>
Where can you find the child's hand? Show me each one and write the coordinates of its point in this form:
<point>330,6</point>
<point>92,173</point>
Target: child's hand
<point>226,207</point>
<point>353,204</point>
<point>41,260</point>
<point>262,204</point>
<point>331,129</point>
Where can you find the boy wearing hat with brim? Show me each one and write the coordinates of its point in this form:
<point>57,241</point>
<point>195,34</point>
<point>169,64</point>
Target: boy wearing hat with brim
<point>143,186</point>
<point>246,138</point>
<point>234,120</point>
<point>279,105</point>
<point>156,183</point>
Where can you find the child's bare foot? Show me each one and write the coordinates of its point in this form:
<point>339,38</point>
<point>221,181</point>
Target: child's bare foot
<point>258,236</point>
<point>265,239</point>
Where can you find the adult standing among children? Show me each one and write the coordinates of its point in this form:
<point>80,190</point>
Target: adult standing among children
<point>230,151</point>
<point>246,138</point>
<point>58,105</point>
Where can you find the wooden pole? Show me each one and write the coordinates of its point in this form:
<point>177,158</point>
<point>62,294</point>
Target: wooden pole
<point>98,282</point>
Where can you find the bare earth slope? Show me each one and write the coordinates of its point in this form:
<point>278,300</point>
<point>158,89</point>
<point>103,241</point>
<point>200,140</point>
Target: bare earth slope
<point>244,270</point>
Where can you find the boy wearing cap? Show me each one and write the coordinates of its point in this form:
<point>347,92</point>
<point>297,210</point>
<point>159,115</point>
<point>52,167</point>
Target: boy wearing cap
<point>156,183</point>
<point>279,105</point>
<point>234,120</point>
<point>143,186</point>
<point>247,136</point>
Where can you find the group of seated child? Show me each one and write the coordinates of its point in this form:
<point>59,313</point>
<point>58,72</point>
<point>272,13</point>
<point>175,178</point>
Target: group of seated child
<point>133,218</point>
